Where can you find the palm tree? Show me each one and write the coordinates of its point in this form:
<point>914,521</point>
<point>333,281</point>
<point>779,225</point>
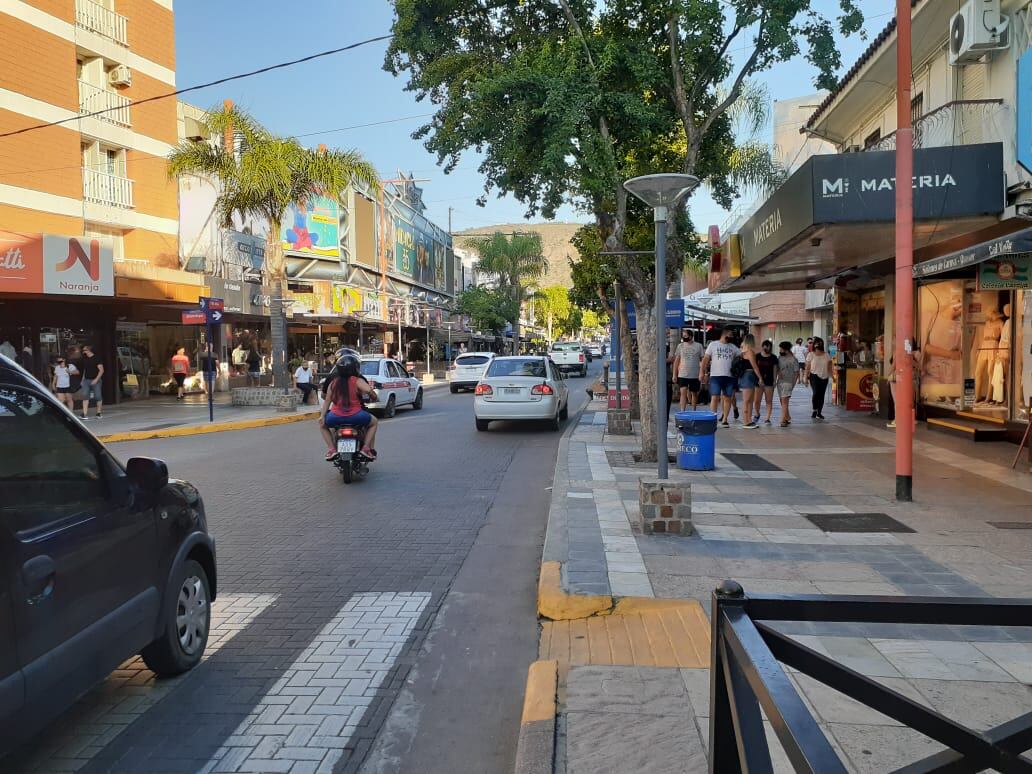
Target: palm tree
<point>518,262</point>
<point>262,175</point>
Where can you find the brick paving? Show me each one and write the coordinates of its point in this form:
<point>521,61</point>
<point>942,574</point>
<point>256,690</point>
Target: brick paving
<point>753,524</point>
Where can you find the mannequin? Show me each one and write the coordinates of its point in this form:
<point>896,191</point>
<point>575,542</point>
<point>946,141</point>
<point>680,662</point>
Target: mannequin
<point>985,366</point>
<point>1002,368</point>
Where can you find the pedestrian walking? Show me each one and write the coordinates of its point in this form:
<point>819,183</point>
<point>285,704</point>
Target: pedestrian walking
<point>749,380</point>
<point>716,368</point>
<point>787,377</point>
<point>687,365</point>
<point>254,367</point>
<point>303,380</point>
<point>92,381</point>
<point>61,383</point>
<point>209,368</point>
<point>180,369</point>
<point>799,352</point>
<point>7,350</point>
<point>818,373</point>
<point>768,363</point>
<point>669,380</point>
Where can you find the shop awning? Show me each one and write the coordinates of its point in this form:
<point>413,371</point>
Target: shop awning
<point>1012,244</point>
<point>837,212</point>
<point>693,312</point>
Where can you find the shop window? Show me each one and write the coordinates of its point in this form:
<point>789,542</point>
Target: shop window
<point>1022,332</point>
<point>987,345</point>
<point>941,371</point>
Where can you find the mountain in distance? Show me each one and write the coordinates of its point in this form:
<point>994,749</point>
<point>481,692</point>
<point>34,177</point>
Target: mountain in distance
<point>555,243</point>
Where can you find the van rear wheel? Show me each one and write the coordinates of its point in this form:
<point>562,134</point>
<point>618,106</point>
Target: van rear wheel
<point>184,634</point>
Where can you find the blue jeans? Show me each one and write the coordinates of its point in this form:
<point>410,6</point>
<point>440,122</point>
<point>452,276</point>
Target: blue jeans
<point>359,419</point>
<point>748,380</point>
<point>722,385</point>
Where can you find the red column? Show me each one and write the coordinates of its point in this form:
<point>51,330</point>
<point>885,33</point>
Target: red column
<point>904,364</point>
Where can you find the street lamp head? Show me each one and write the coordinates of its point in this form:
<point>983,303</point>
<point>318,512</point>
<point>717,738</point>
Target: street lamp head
<point>661,191</point>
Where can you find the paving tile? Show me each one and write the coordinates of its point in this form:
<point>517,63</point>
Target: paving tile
<point>875,749</point>
<point>978,705</point>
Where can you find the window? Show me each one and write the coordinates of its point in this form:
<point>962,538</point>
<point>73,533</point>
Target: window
<point>872,139</point>
<point>396,371</point>
<point>370,368</point>
<point>113,235</point>
<point>566,347</point>
<point>48,471</point>
<point>916,114</point>
<point>471,360</point>
<point>534,367</point>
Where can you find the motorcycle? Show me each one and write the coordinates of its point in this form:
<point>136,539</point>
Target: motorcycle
<point>350,461</point>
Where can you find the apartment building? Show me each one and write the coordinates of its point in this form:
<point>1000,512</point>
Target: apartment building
<point>89,247</point>
<point>831,225</point>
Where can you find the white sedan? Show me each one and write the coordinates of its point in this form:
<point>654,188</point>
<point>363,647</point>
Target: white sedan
<point>394,387</point>
<point>521,388</point>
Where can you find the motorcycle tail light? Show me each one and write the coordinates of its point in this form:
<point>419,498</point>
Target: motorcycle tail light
<point>347,431</point>
<point>541,389</point>
<point>483,389</point>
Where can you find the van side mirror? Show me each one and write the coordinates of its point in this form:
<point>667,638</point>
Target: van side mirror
<point>147,473</point>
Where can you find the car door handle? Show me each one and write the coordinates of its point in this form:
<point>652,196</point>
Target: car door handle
<point>38,576</point>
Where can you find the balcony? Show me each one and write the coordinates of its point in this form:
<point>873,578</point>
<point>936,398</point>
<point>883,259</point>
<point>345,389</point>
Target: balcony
<point>962,122</point>
<point>103,188</point>
<point>93,99</point>
<point>96,18</point>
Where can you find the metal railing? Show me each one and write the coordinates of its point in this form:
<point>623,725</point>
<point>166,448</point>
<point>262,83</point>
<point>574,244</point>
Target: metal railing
<point>746,674</point>
<point>962,122</point>
<point>96,18</point>
<point>104,188</point>
<point>93,99</point>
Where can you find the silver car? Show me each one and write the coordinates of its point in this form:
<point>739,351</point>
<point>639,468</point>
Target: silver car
<point>521,388</point>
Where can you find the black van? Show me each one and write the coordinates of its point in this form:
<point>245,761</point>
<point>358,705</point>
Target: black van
<point>99,561</point>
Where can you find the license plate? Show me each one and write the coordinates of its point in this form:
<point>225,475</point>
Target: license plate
<point>345,445</point>
<point>512,390</point>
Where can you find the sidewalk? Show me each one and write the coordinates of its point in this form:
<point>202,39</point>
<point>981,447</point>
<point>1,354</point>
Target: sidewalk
<point>644,707</point>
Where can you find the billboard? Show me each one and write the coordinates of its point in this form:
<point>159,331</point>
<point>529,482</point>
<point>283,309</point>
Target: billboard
<point>313,229</point>
<point>57,265</point>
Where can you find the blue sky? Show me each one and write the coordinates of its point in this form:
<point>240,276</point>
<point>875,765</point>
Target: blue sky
<point>215,38</point>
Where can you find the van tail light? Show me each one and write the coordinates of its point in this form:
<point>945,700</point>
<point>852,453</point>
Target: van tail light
<point>483,389</point>
<point>541,389</point>
<point>581,357</point>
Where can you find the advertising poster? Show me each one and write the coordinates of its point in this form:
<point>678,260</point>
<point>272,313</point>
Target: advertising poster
<point>1008,272</point>
<point>860,389</point>
<point>404,248</point>
<point>312,230</point>
<point>941,339</point>
<point>346,300</point>
<point>21,262</point>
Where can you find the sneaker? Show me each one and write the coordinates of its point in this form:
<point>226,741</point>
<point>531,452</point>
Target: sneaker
<point>766,421</point>
<point>84,418</point>
<point>725,424</point>
<point>100,416</point>
<point>750,426</point>
<point>891,424</point>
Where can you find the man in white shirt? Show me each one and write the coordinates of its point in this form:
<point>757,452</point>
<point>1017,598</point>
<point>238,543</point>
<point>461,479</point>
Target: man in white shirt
<point>303,380</point>
<point>799,352</point>
<point>716,366</point>
<point>687,367</point>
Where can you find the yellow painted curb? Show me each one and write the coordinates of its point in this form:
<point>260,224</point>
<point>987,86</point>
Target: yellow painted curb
<point>216,427</point>
<point>556,605</point>
<point>539,698</point>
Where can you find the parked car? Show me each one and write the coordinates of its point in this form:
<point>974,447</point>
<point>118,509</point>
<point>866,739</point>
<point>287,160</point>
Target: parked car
<point>569,356</point>
<point>99,561</point>
<point>393,384</point>
<point>595,350</point>
<point>521,387</point>
<point>467,369</point>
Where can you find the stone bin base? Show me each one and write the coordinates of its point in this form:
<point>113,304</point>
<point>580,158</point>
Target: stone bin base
<point>618,422</point>
<point>267,396</point>
<point>665,506</point>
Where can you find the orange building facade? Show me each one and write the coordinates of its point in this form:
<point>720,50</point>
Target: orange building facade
<point>89,222</point>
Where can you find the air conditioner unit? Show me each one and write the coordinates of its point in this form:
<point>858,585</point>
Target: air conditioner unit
<point>976,29</point>
<point>121,76</point>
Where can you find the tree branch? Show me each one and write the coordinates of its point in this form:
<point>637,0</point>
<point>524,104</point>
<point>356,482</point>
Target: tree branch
<point>681,101</point>
<point>704,80</point>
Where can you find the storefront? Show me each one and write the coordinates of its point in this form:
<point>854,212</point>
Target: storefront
<point>975,329</point>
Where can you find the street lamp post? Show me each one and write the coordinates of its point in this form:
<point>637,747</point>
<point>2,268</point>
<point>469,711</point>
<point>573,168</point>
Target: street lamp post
<point>361,329</point>
<point>449,323</point>
<point>662,193</point>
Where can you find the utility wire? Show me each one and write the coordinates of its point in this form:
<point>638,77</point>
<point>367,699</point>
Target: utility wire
<point>188,89</point>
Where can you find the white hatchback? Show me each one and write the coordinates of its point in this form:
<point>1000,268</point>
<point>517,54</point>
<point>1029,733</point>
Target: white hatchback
<point>521,388</point>
<point>467,369</point>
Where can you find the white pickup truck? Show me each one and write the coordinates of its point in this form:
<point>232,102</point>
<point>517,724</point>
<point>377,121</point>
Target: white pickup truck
<point>569,356</point>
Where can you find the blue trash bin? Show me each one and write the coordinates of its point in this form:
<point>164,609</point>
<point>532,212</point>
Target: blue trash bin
<point>696,437</point>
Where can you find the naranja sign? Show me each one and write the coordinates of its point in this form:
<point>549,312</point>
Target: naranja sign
<point>58,265</point>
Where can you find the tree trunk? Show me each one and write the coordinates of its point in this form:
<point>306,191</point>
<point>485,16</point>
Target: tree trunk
<point>276,266</point>
<point>647,379</point>
<point>626,350</point>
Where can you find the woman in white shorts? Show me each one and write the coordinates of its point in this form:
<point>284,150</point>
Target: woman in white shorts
<point>787,372</point>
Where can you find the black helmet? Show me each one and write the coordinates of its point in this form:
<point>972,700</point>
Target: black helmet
<point>343,351</point>
<point>347,360</point>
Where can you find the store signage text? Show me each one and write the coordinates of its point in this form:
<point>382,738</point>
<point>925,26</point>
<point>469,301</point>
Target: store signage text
<point>58,265</point>
<point>12,260</point>
<point>767,227</point>
<point>836,189</point>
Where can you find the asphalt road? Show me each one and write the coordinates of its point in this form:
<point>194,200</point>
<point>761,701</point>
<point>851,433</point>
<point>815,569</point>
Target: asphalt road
<point>450,521</point>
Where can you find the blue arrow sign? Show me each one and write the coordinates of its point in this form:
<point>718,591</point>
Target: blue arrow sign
<point>214,315</point>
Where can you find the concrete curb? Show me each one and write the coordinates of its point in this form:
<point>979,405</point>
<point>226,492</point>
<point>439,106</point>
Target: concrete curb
<point>535,749</point>
<point>219,427</point>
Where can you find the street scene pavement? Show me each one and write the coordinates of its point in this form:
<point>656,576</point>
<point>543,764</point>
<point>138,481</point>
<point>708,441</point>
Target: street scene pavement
<point>765,517</point>
<point>389,622</point>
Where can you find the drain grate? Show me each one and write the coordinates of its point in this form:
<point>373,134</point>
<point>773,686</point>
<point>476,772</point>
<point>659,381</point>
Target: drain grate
<point>750,461</point>
<point>1010,524</point>
<point>857,522</point>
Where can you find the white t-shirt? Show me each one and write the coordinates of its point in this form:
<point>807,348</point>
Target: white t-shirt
<point>303,375</point>
<point>690,353</point>
<point>820,364</point>
<point>721,357</point>
<point>62,376</point>
<point>800,351</point>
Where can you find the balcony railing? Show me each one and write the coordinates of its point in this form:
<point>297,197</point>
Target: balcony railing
<point>96,18</point>
<point>104,188</point>
<point>963,122</point>
<point>748,651</point>
<point>93,99</point>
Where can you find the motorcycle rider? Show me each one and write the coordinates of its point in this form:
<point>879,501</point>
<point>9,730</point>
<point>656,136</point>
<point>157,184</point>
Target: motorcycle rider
<point>342,405</point>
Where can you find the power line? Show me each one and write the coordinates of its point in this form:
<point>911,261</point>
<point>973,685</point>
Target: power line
<point>188,89</point>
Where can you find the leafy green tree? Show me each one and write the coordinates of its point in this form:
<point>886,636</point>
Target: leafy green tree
<point>489,309</point>
<point>591,322</point>
<point>517,262</point>
<point>553,311</point>
<point>566,99</point>
<point>262,176</point>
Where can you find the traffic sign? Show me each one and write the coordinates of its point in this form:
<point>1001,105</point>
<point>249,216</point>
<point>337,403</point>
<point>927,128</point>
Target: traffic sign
<point>215,315</point>
<point>211,304</point>
<point>195,317</point>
